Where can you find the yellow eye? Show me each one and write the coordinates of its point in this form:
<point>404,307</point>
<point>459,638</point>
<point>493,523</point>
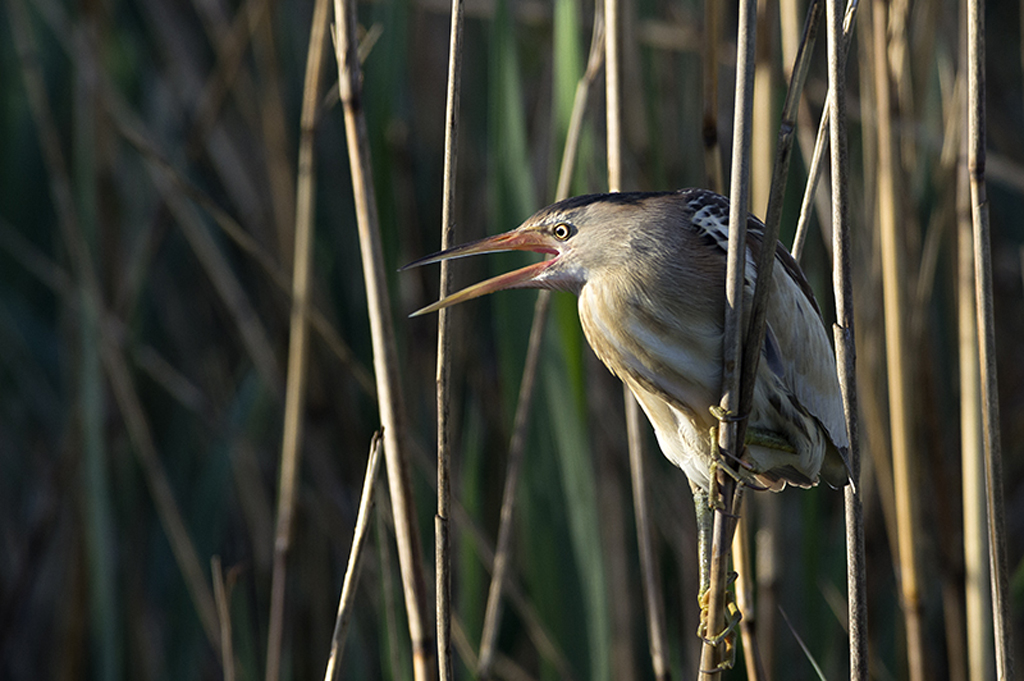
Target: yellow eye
<point>562,231</point>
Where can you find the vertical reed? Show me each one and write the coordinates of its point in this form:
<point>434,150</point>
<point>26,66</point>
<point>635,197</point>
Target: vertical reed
<point>298,358</point>
<point>442,540</point>
<point>905,473</point>
<point>976,126</point>
<point>385,356</point>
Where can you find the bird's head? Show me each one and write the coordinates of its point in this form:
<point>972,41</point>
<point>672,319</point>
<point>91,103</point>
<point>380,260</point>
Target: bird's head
<point>580,234</point>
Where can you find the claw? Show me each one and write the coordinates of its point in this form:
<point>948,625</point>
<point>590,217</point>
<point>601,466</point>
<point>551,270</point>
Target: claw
<point>724,415</point>
<point>727,636</point>
<point>723,455</point>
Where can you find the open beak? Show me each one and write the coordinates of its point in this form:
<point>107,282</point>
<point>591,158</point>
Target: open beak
<point>516,240</point>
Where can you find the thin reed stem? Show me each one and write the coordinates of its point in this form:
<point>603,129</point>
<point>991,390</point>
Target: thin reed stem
<point>724,494</point>
<point>348,589</point>
<point>745,602</point>
<point>613,93</point>
<point>755,332</point>
<point>842,282</point>
<point>653,593</point>
<point>385,356</point>
<point>298,358</point>
<point>818,156</point>
<point>442,540</point>
<point>977,590</point>
<point>1001,623</point>
<point>898,368</point>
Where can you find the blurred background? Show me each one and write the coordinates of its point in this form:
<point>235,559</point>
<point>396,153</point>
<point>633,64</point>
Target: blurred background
<point>148,173</point>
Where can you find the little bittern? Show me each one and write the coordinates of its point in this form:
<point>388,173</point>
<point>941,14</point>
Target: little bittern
<point>649,271</point>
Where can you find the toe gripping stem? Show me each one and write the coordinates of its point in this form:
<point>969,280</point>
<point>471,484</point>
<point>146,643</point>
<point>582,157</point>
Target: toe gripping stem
<point>727,636</point>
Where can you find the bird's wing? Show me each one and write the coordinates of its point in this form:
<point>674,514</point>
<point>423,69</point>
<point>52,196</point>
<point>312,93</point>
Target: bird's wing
<point>800,335</point>
<point>795,326</point>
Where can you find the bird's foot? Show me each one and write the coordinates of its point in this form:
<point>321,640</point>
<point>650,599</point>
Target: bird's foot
<point>723,415</point>
<point>727,637</point>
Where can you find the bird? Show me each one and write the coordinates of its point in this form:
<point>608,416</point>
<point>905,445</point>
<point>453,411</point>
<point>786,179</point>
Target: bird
<point>649,271</point>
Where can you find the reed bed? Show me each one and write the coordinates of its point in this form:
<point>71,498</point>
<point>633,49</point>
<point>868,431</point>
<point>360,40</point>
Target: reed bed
<point>202,215</point>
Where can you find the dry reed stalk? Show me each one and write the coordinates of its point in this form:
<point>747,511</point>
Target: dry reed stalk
<point>818,155</point>
<point>856,578</point>
<point>745,602</point>
<point>620,664</point>
<point>792,40</point>
<point>977,594</point>
<point>651,584</point>
<point>442,540</point>
<point>613,94</point>
<point>298,357</point>
<point>348,588</point>
<point>779,174</point>
<point>222,596</point>
<point>763,135</point>
<point>385,356</point>
<point>797,45</point>
<point>725,495</point>
<point>517,442</point>
<point>651,579</point>
<point>894,304</point>
<point>1001,622</point>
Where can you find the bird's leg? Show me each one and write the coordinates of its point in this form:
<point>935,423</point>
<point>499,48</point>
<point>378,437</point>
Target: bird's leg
<point>705,522</point>
<point>705,510</point>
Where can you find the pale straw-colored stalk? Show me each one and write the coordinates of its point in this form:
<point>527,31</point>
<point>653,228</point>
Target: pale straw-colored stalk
<point>634,428</point>
<point>348,589</point>
<point>976,122</point>
<point>385,355</point>
<point>613,132</point>
<point>814,171</point>
<point>763,135</point>
<point>298,346</point>
<point>651,579</point>
<point>745,601</point>
<point>613,94</point>
<point>977,594</point>
<point>856,577</point>
<point>904,458</point>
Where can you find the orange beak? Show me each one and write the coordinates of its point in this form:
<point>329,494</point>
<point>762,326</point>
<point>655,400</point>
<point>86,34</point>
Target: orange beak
<point>516,240</point>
